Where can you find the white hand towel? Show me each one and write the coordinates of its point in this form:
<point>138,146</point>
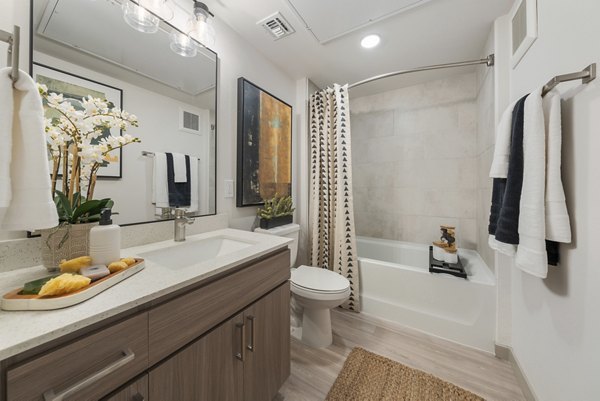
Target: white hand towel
<point>507,249</point>
<point>499,168</point>
<point>558,227</point>
<point>25,185</point>
<point>531,254</point>
<point>179,168</point>
<point>160,188</point>
<point>194,199</point>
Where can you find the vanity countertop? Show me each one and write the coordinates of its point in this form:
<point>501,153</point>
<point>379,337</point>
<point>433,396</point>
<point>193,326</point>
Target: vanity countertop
<point>21,331</point>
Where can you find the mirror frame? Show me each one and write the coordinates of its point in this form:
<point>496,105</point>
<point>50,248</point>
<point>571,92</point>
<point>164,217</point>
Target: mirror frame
<point>217,69</point>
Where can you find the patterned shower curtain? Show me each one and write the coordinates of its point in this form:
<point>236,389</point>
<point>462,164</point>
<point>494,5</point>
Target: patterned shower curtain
<point>333,241</point>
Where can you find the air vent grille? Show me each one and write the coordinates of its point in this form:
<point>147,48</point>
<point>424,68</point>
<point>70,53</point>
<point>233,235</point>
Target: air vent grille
<point>189,121</point>
<point>277,26</point>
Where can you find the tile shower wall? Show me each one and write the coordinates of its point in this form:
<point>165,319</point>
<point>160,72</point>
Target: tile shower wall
<point>415,161</point>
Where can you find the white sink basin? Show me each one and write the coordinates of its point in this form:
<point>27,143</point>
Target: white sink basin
<point>193,252</point>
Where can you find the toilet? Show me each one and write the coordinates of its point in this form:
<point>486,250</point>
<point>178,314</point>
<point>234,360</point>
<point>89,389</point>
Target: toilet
<point>314,290</point>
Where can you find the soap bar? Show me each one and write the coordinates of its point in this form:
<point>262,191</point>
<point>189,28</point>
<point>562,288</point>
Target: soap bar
<point>95,272</point>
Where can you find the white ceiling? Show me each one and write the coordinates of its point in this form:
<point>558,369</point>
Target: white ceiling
<point>429,32</point>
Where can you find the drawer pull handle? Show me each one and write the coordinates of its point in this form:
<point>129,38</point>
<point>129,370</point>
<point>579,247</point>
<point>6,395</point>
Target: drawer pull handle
<point>127,357</point>
<point>252,333</point>
<point>241,355</point>
<point>138,397</point>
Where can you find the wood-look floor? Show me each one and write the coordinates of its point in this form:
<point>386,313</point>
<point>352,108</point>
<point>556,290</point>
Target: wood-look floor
<point>315,370</point>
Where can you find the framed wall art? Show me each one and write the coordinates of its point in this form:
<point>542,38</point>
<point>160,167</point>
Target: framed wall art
<point>264,146</point>
<point>74,88</point>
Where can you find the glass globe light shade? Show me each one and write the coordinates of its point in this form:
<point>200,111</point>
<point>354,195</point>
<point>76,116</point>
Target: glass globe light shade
<point>139,18</point>
<point>182,44</point>
<point>161,8</point>
<point>201,30</point>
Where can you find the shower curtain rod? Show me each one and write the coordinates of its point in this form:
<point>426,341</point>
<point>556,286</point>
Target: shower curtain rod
<point>489,61</point>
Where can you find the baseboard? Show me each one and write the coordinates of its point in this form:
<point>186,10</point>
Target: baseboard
<point>506,353</point>
<point>502,352</point>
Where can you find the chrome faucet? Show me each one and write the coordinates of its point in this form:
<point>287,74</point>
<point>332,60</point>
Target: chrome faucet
<point>181,220</point>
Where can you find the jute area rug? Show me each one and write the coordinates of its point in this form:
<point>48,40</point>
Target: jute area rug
<point>370,377</point>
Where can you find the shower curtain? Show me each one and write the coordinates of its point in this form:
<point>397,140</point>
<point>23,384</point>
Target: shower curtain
<point>333,239</point>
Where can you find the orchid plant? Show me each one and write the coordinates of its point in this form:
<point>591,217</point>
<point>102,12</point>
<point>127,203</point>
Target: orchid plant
<point>80,143</point>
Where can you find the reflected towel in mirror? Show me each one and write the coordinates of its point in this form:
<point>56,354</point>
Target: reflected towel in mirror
<point>25,187</point>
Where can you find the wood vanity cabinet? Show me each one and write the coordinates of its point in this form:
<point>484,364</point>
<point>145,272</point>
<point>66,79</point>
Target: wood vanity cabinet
<point>244,359</point>
<point>225,340</point>
<point>135,391</point>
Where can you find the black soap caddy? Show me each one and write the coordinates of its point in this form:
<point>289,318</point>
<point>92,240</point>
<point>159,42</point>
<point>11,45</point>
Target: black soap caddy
<point>438,266</point>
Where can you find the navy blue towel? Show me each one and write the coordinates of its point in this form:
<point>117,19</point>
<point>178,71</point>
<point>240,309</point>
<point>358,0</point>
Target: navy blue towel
<point>553,252</point>
<point>180,193</point>
<point>506,196</point>
<point>498,188</point>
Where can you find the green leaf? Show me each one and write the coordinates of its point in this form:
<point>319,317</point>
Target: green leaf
<point>34,287</point>
<point>76,199</point>
<point>91,218</point>
<point>63,202</point>
<point>88,207</point>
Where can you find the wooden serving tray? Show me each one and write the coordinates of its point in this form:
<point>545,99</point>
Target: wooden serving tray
<point>12,301</point>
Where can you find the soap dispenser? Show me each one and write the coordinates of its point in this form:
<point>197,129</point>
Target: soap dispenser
<point>105,240</point>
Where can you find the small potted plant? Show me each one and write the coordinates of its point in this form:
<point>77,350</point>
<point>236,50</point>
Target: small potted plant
<point>79,144</point>
<point>276,211</point>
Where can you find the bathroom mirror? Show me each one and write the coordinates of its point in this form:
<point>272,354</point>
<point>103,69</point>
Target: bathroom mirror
<point>168,81</point>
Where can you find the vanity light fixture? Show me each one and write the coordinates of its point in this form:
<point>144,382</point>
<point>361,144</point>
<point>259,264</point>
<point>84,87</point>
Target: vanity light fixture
<point>200,26</point>
<point>139,18</point>
<point>183,44</point>
<point>161,8</point>
<point>370,41</point>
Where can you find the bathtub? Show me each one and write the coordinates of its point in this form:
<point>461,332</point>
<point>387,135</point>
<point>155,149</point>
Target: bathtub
<point>396,286</point>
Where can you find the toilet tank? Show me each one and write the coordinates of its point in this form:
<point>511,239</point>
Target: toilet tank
<point>289,231</point>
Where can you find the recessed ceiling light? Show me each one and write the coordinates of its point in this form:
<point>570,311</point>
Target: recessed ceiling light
<point>370,41</point>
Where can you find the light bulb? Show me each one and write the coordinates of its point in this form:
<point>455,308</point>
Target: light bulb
<point>370,41</point>
<point>139,18</point>
<point>182,44</point>
<point>201,30</point>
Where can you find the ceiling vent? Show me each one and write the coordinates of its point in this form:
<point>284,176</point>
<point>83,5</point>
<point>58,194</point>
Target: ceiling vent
<point>277,26</point>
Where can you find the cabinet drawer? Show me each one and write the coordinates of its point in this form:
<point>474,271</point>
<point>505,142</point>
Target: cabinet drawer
<point>86,369</point>
<point>178,322</point>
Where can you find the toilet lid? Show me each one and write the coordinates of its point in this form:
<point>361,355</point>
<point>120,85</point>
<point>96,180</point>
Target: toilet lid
<point>317,279</point>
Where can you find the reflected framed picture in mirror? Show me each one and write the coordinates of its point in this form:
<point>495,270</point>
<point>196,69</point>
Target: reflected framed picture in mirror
<point>264,146</point>
<point>74,89</point>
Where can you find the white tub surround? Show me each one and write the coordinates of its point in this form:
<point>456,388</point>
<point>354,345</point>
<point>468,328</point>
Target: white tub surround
<point>397,286</point>
<point>21,331</point>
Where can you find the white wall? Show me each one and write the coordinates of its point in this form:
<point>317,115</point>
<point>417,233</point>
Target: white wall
<point>237,58</point>
<point>556,321</point>
<point>485,139</point>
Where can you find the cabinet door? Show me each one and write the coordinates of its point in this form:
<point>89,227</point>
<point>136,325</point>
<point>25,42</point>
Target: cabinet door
<point>136,391</point>
<point>267,325</point>
<point>209,369</point>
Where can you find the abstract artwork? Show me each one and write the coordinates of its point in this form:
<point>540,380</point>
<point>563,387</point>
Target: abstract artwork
<point>264,151</point>
<point>74,88</point>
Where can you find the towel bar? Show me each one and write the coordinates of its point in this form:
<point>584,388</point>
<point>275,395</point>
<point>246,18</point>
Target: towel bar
<point>13,40</point>
<point>587,75</point>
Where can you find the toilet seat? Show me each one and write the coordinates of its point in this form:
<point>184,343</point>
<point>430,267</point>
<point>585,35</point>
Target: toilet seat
<point>319,281</point>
